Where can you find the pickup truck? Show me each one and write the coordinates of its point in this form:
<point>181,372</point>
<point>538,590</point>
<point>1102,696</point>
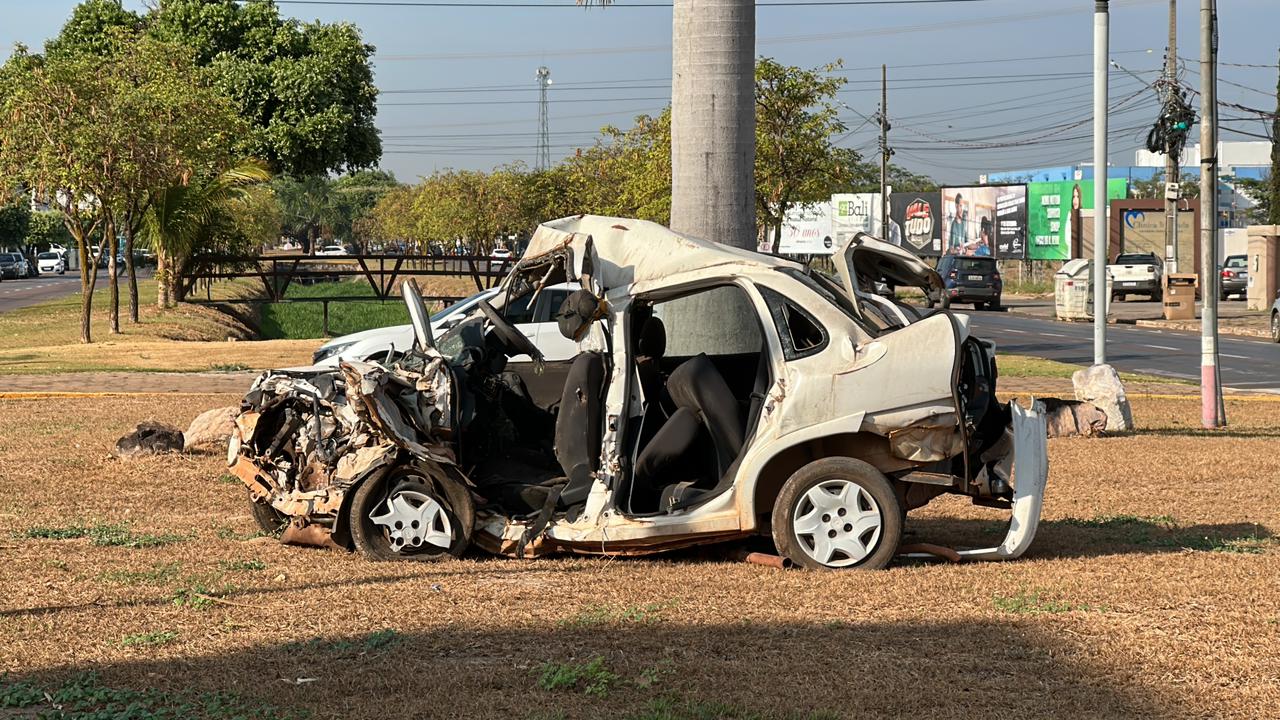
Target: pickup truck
<point>1136,274</point>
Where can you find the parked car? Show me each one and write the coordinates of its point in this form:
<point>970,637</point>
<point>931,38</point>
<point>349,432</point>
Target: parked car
<point>1235,276</point>
<point>819,422</point>
<point>536,322</point>
<point>1137,274</point>
<point>968,279</point>
<point>49,263</point>
<point>1275,320</point>
<point>13,265</point>
<point>332,250</point>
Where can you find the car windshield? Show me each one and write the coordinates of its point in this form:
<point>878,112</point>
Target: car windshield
<point>452,309</point>
<point>966,264</point>
<point>454,342</point>
<point>1236,262</point>
<point>47,256</point>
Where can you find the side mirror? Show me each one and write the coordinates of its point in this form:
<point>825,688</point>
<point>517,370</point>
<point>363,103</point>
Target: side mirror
<point>417,315</point>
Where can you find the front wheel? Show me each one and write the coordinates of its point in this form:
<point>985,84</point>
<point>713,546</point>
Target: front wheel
<point>405,515</point>
<point>270,520</point>
<point>838,513</point>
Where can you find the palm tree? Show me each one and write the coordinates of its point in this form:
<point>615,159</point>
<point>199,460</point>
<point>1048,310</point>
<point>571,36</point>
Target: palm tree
<point>187,217</point>
<point>310,206</point>
<point>712,119</point>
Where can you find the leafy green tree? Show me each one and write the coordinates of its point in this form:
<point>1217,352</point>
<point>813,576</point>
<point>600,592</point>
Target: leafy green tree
<point>45,229</point>
<point>356,195</point>
<point>213,213</point>
<point>96,27</point>
<point>796,162</point>
<point>310,208</point>
<point>15,219</point>
<point>306,88</point>
<point>95,133</point>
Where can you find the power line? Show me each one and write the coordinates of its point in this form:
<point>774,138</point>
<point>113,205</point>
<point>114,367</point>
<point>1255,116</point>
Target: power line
<point>640,5</point>
<point>777,40</point>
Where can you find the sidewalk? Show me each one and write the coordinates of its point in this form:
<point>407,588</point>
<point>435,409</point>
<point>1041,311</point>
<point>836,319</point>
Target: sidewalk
<point>1233,318</point>
<point>129,383</point>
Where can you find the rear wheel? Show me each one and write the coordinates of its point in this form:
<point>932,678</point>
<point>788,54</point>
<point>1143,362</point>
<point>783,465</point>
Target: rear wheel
<point>406,515</point>
<point>979,306</point>
<point>838,513</point>
<point>994,304</point>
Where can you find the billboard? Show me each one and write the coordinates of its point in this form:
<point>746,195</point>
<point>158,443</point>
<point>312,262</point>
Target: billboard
<point>1053,214</point>
<point>1011,221</point>
<point>853,213</point>
<point>915,223</point>
<point>806,230</point>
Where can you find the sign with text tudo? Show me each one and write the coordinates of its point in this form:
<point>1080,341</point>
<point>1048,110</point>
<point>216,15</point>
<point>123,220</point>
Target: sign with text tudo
<point>915,223</point>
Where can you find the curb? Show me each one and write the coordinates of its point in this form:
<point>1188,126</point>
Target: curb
<point>40,395</point>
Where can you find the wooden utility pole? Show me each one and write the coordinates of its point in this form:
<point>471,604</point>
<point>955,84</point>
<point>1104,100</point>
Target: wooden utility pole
<point>1212,412</point>
<point>885,152</point>
<point>1172,171</point>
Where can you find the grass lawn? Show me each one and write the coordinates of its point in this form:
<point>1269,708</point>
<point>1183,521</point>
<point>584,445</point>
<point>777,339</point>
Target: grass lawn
<point>45,338</point>
<point>1150,592</point>
<point>1025,366</point>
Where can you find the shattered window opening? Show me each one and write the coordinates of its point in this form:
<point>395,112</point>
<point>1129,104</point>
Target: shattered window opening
<point>800,333</point>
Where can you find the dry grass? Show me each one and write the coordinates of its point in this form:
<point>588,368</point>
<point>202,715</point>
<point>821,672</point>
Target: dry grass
<point>1150,592</point>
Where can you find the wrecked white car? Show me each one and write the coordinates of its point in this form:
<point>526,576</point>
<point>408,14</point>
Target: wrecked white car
<point>718,394</point>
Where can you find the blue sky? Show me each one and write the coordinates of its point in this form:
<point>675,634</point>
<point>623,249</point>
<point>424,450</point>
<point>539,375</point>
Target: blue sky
<point>943,85</point>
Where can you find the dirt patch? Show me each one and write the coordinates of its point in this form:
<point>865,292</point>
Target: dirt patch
<point>1149,592</point>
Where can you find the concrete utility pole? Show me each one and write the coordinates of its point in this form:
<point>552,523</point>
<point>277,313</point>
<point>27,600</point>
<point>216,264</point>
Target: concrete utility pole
<point>1213,414</point>
<point>1101,49</point>
<point>885,152</point>
<point>1172,171</point>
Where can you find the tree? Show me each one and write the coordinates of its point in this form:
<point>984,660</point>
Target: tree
<point>796,117</point>
<point>356,195</point>
<point>96,27</point>
<point>1154,188</point>
<point>94,133</point>
<point>310,208</point>
<point>15,219</point>
<point>219,212</point>
<point>306,88</point>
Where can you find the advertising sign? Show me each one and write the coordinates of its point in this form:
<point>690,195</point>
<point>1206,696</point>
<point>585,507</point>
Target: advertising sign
<point>806,230</point>
<point>969,220</point>
<point>1011,221</point>
<point>1053,211</point>
<point>914,222</point>
<point>853,213</point>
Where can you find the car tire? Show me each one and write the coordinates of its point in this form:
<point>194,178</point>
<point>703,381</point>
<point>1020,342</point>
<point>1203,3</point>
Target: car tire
<point>994,304</point>
<point>1275,327</point>
<point>270,520</point>
<point>403,497</point>
<point>809,516</point>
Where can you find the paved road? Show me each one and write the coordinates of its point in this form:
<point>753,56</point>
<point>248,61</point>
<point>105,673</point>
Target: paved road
<point>1246,363</point>
<point>16,294</point>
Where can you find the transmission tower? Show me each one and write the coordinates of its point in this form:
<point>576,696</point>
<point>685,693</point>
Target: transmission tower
<point>544,127</point>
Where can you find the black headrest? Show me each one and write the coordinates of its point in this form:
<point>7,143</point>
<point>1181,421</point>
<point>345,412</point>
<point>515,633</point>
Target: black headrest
<point>653,339</point>
<point>577,312</point>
